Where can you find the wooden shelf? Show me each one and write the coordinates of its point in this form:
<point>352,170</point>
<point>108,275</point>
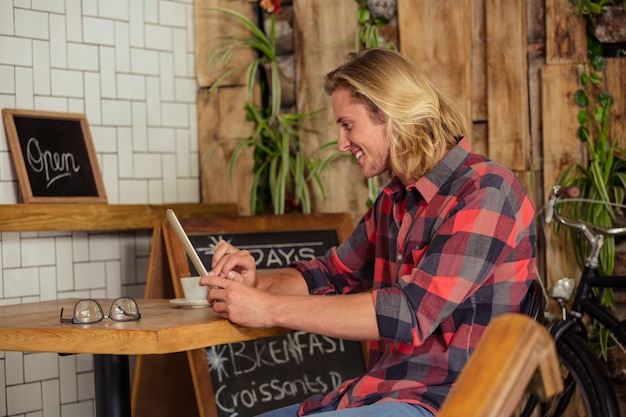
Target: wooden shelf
<point>47,217</point>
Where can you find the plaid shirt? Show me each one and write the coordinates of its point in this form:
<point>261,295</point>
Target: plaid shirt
<point>442,258</point>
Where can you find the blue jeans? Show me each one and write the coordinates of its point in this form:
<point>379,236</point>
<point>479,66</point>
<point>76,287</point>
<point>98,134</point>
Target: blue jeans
<point>385,409</point>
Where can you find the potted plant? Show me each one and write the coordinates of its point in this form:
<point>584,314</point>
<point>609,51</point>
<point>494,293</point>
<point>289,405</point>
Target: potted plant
<point>601,177</point>
<point>282,172</point>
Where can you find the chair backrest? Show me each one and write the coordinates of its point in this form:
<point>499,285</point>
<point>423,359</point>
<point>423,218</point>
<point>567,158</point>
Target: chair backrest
<point>513,349</point>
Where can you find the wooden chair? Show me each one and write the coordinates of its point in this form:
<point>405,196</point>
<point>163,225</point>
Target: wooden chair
<point>515,355</point>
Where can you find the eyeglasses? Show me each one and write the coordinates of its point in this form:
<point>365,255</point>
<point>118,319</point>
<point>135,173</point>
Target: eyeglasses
<point>90,311</point>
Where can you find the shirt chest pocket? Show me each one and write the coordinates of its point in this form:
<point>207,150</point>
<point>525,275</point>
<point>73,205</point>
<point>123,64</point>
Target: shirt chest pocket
<point>418,252</point>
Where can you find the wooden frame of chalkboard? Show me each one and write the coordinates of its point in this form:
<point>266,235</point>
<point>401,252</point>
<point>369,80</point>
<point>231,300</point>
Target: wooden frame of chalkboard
<point>54,157</point>
<point>321,363</point>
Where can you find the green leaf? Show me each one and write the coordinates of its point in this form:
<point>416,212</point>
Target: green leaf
<point>605,99</point>
<point>580,98</point>
<point>363,15</point>
<point>582,117</point>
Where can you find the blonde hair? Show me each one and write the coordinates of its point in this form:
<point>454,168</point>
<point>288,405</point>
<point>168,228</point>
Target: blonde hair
<point>422,125</point>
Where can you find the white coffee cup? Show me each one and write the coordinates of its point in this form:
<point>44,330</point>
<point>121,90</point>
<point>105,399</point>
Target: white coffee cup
<point>193,290</point>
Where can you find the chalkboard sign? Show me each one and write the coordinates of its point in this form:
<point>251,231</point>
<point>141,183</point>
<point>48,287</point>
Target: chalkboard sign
<point>54,157</point>
<point>251,377</point>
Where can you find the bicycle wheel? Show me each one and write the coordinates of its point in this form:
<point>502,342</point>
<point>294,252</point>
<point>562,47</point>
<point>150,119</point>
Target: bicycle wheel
<point>587,390</point>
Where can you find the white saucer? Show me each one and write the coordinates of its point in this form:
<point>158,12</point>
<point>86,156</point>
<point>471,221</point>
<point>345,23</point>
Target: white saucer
<point>184,303</point>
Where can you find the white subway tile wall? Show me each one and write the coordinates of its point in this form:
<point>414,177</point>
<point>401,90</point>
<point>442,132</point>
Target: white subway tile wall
<point>129,66</point>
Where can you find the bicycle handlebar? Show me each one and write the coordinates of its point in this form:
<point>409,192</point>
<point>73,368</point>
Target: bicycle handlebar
<point>564,193</point>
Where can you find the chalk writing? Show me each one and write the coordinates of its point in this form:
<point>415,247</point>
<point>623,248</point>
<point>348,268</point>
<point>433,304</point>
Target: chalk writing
<point>54,165</point>
<point>279,370</point>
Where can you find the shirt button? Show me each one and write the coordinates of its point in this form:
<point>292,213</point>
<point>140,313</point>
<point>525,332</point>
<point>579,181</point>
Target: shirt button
<point>399,257</point>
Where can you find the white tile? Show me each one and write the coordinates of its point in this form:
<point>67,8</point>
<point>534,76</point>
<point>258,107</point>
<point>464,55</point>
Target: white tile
<point>143,61</point>
<point>38,252</point>
<point>76,105</point>
<point>98,31</point>
<point>172,14</point>
<point>3,384</point>
<point>107,72</point>
<point>21,282</point>
<point>55,6</point>
<point>116,112</point>
<point>7,79</point>
<point>180,53</point>
<point>188,190</point>
<point>51,393</point>
<point>186,90</point>
<point>110,177</point>
<point>40,366</point>
<point>80,250</point>
<point>67,379</point>
<point>24,94</point>
<point>41,67</point>
<point>151,13</point>
<point>14,368</point>
<point>159,37</point>
<point>58,41</point>
<point>155,192</point>
<point>125,153</point>
<point>7,172</point>
<point>175,114</point>
<point>122,46</point>
<point>31,24</point>
<point>167,75</point>
<point>67,83</point>
<point>154,101</point>
<point>104,247</point>
<point>89,275</point>
<point>48,283</point>
<point>133,192</point>
<point>11,250</point>
<point>79,409</point>
<point>16,51</point>
<point>147,165</point>
<point>140,129</point>
<point>6,18</point>
<point>161,140</point>
<point>93,108</point>
<point>86,387</point>
<point>90,7</point>
<point>74,20</point>
<point>114,278</point>
<point>136,24</point>
<point>83,57</point>
<point>24,398</point>
<point>84,363</point>
<point>169,179</point>
<point>131,87</point>
<point>113,9</point>
<point>51,103</point>
<point>104,138</point>
<point>183,167</point>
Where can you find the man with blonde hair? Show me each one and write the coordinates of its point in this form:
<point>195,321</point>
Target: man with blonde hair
<point>448,245</point>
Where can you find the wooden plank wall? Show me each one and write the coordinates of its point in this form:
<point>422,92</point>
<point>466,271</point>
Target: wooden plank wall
<point>511,67</point>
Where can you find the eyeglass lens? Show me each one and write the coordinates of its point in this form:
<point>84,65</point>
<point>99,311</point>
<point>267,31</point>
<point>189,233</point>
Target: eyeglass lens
<point>89,311</point>
<point>124,309</point>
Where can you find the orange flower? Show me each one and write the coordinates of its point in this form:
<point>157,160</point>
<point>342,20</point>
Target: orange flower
<point>271,6</point>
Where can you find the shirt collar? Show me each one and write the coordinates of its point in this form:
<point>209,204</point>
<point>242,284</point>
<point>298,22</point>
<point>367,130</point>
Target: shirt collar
<point>430,184</point>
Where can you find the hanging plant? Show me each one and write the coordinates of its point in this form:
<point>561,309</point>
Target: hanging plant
<point>283,174</point>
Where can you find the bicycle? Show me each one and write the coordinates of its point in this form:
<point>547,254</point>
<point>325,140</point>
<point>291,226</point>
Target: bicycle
<point>587,388</point>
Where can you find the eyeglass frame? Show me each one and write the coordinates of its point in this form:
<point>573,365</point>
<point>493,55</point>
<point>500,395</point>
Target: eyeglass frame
<point>73,320</point>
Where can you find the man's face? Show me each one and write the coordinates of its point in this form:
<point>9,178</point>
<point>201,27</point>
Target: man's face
<point>361,133</point>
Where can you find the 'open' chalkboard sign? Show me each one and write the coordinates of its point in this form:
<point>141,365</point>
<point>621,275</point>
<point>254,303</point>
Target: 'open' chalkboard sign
<point>54,157</point>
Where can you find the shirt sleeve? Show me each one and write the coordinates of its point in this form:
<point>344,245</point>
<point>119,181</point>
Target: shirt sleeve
<point>348,268</point>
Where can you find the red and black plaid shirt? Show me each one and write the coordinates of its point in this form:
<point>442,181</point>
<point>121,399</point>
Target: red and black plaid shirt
<point>442,258</point>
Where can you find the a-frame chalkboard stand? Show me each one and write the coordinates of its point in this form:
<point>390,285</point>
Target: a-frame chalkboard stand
<point>180,384</point>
